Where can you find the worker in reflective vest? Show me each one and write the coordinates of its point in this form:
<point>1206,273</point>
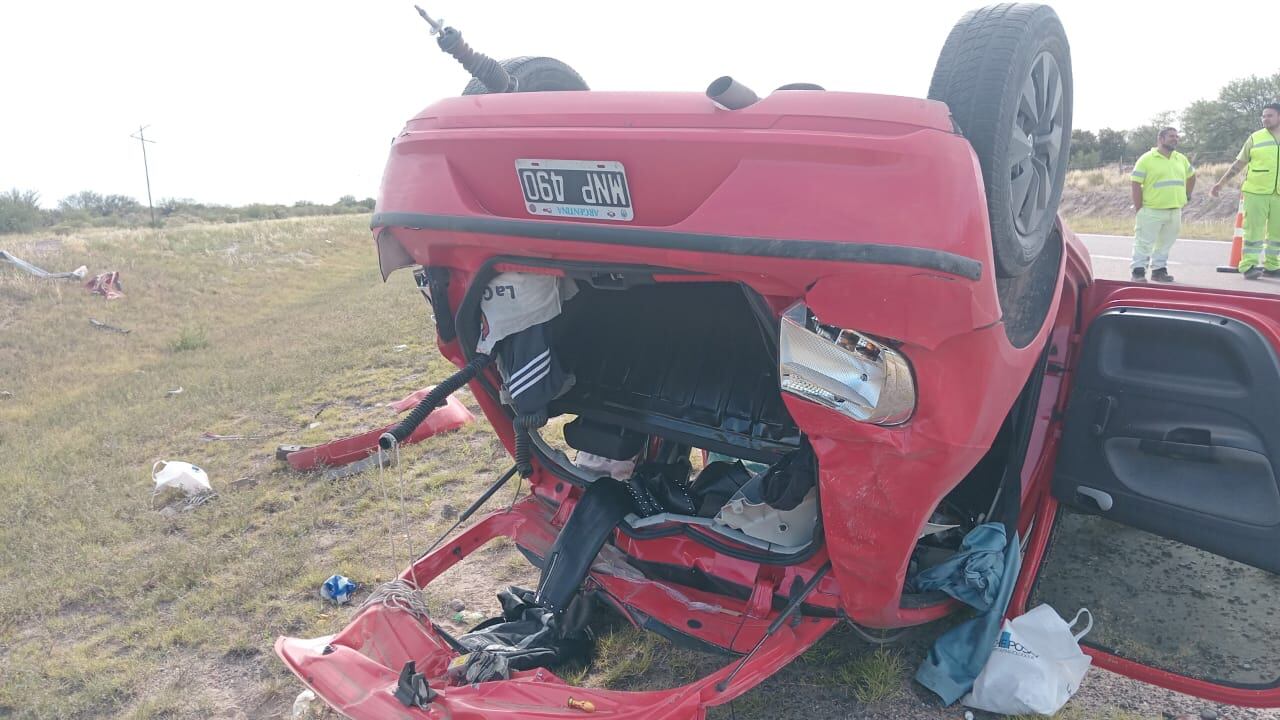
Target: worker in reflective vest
<point>1261,154</point>
<point>1163,180</point>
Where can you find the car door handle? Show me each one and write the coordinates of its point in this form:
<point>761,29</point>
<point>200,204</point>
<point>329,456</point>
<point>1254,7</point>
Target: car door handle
<point>1102,414</point>
<point>1101,499</point>
<point>1182,443</point>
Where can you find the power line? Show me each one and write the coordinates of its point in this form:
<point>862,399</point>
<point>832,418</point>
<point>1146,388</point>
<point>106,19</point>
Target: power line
<point>142,140</point>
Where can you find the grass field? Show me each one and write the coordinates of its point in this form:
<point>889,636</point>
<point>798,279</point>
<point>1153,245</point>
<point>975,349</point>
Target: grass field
<point>109,608</point>
<point>1123,226</point>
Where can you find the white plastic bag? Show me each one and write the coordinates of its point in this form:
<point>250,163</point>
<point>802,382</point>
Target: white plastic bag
<point>188,478</point>
<point>1036,665</point>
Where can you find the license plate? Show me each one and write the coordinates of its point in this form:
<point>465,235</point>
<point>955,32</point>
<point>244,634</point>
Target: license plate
<point>587,189</point>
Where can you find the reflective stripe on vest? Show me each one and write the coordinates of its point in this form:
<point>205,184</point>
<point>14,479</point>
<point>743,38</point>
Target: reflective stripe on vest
<point>1264,164</point>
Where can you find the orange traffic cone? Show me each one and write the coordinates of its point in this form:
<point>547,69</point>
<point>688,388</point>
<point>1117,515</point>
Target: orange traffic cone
<point>1237,243</point>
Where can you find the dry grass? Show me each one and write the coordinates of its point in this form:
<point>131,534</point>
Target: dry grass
<point>1117,177</point>
<point>108,609</point>
<point>1123,227</point>
<point>1098,202</point>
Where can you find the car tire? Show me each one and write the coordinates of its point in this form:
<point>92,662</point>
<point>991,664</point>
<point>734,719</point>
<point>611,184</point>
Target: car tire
<point>534,74</point>
<point>1025,299</point>
<point>1005,73</point>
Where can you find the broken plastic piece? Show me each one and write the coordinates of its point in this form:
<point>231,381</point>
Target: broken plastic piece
<point>746,511</point>
<point>77,274</point>
<point>412,689</point>
<point>451,416</point>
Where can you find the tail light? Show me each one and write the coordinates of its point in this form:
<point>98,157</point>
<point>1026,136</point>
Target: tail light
<point>844,370</point>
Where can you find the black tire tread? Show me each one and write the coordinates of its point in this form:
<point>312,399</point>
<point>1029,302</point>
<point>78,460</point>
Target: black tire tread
<point>978,61</point>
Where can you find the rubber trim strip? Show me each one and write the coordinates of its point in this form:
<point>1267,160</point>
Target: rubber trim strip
<point>874,253</point>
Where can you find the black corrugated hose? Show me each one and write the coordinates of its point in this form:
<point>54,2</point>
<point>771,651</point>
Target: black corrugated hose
<point>524,424</point>
<point>482,67</point>
<point>438,396</point>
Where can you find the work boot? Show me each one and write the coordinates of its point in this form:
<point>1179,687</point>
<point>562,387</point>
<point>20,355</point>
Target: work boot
<point>1161,275</point>
<point>1139,274</point>
<point>1253,273</point>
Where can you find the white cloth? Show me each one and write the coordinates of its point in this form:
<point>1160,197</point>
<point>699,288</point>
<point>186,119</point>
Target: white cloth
<point>616,469</point>
<point>514,301</point>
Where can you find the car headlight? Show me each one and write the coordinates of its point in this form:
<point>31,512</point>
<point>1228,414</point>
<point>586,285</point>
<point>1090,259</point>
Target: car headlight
<point>844,370</point>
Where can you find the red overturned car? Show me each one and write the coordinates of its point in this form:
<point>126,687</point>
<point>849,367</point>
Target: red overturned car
<point>805,343</point>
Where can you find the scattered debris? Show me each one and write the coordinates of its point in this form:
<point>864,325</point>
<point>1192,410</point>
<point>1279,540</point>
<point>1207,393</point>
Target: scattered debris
<point>107,284</point>
<point>184,476</point>
<point>109,328</point>
<point>173,393</point>
<point>305,706</point>
<point>189,480</point>
<point>400,348</point>
<point>358,467</point>
<point>314,425</point>
<point>244,482</point>
<point>345,451</point>
<point>323,406</point>
<point>448,512</point>
<point>456,605</point>
<point>338,589</point>
<point>5,394</point>
<point>196,501</point>
<point>209,437</point>
<point>77,274</point>
<point>173,509</point>
<point>467,617</point>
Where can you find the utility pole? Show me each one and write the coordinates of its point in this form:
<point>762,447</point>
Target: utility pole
<point>142,140</point>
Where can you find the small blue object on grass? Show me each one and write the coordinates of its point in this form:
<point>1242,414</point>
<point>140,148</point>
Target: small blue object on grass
<point>338,589</point>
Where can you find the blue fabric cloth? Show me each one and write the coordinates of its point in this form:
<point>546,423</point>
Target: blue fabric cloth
<point>337,589</point>
<point>972,574</point>
<point>956,658</point>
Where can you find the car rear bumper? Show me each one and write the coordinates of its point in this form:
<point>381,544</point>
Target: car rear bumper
<point>356,670</point>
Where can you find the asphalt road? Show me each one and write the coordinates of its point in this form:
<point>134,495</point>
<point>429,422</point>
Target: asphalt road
<point>1192,262</point>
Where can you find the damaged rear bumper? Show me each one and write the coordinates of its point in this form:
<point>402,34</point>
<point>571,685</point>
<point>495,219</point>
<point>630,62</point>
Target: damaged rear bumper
<point>356,671</point>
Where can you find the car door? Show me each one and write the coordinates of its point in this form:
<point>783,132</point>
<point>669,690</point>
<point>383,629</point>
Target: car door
<point>1163,516</point>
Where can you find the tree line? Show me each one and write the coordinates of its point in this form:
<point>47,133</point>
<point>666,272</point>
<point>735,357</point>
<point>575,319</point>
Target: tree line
<point>20,211</point>
<point>1212,131</point>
